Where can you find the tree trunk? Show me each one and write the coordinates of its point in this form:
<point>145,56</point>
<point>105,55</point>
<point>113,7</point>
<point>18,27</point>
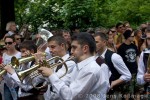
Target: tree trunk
<point>6,14</point>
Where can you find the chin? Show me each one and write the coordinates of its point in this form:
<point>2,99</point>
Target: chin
<point>76,60</point>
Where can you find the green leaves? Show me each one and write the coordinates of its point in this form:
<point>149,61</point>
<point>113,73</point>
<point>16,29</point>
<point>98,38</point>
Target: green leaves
<point>84,13</point>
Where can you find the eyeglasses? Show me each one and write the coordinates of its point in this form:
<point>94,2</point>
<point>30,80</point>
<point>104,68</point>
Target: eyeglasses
<point>132,36</point>
<point>8,43</point>
<point>18,38</point>
<point>113,31</point>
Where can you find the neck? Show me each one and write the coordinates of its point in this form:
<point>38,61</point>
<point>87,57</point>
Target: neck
<point>127,42</point>
<point>101,50</point>
<point>63,54</point>
<point>85,57</point>
<point>12,51</point>
<point>137,38</point>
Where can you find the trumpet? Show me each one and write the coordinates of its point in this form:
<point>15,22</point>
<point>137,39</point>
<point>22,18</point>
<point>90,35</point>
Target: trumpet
<point>13,63</point>
<point>16,62</point>
<point>22,75</point>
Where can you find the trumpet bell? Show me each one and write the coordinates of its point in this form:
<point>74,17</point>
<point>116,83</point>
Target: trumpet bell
<point>45,35</point>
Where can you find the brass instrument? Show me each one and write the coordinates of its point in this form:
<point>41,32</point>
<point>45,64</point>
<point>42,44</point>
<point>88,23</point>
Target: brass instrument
<point>13,63</point>
<point>44,34</point>
<point>22,75</point>
<point>16,62</point>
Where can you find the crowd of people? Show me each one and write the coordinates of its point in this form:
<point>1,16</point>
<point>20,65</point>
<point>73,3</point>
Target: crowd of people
<point>97,64</point>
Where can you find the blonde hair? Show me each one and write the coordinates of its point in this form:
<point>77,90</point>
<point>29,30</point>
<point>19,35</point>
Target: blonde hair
<point>9,25</point>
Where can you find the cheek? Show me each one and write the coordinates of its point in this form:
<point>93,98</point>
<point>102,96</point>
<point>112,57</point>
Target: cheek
<point>22,54</point>
<point>76,52</point>
<point>98,45</point>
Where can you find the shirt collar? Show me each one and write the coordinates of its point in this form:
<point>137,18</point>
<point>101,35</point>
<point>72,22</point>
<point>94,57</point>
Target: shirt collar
<point>85,62</point>
<point>103,54</point>
<point>10,33</point>
<point>65,57</point>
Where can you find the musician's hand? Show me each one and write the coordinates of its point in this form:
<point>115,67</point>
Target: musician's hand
<point>39,57</point>
<point>112,85</point>
<point>9,69</point>
<point>2,66</point>
<point>147,77</point>
<point>46,72</point>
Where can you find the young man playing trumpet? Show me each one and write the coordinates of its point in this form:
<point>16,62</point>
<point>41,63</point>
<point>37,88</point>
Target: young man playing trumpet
<point>26,90</point>
<point>89,81</point>
<point>57,47</point>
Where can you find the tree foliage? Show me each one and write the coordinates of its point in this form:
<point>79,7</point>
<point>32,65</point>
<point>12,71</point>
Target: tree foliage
<point>82,13</point>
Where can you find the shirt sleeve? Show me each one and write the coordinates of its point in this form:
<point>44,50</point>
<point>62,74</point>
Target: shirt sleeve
<point>27,85</point>
<point>141,71</point>
<point>9,81</point>
<point>75,89</point>
<point>70,66</point>
<point>121,67</point>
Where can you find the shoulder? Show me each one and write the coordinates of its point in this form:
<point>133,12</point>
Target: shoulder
<point>116,57</point>
<point>18,54</point>
<point>133,45</point>
<point>70,63</point>
<point>93,65</point>
<point>121,46</point>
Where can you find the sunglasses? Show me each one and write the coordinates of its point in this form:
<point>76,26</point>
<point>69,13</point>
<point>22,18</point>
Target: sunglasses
<point>8,43</point>
<point>113,31</point>
<point>18,38</point>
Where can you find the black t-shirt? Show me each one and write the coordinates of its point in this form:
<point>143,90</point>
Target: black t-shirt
<point>129,54</point>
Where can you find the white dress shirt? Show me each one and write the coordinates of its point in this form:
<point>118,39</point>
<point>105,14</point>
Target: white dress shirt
<point>26,84</point>
<point>120,66</point>
<point>89,81</point>
<point>49,95</point>
<point>141,69</point>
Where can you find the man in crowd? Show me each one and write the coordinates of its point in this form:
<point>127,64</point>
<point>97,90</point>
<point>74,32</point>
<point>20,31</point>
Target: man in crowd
<point>89,80</point>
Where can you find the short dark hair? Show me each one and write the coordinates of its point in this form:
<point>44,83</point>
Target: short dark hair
<point>118,24</point>
<point>29,45</point>
<point>9,37</point>
<point>58,38</point>
<point>16,34</point>
<point>85,38</point>
<point>64,31</point>
<point>102,35</point>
